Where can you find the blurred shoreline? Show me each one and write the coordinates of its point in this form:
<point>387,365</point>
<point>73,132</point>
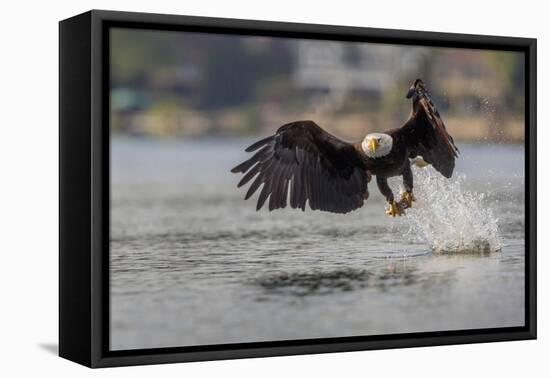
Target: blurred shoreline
<point>351,127</point>
<point>175,84</point>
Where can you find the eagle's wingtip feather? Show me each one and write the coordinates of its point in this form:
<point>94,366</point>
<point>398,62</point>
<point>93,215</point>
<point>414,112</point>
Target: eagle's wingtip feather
<point>258,144</point>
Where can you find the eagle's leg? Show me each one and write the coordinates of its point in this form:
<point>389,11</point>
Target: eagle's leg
<point>366,194</point>
<point>407,196</point>
<point>385,189</point>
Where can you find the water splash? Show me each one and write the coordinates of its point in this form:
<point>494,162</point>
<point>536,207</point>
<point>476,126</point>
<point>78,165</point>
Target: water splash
<point>450,218</point>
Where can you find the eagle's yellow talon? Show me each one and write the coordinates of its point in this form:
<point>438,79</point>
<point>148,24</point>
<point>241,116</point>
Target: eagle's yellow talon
<point>394,210</point>
<point>407,198</point>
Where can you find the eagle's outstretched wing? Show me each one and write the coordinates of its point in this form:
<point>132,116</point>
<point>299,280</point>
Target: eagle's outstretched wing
<point>303,162</point>
<point>425,135</point>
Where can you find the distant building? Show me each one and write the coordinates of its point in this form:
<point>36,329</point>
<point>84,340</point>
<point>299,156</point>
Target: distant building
<point>353,67</point>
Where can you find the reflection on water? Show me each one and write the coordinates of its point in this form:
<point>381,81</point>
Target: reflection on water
<point>314,281</point>
<point>192,263</point>
<point>345,279</point>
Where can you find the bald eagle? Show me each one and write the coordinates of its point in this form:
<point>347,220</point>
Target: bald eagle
<point>304,163</point>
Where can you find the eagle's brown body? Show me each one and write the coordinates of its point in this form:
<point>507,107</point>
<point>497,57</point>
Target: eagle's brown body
<point>396,163</point>
<point>390,165</point>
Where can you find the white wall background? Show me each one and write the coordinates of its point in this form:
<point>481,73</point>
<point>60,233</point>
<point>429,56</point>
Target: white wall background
<point>29,188</point>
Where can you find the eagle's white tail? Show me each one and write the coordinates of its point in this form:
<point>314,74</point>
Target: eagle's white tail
<point>419,162</point>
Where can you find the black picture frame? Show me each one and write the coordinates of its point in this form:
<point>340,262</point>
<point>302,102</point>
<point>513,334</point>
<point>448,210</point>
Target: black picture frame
<point>84,188</point>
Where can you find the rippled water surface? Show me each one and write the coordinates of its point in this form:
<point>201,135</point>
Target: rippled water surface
<point>192,263</point>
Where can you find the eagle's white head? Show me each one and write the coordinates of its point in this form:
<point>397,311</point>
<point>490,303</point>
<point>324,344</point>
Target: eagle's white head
<point>376,145</point>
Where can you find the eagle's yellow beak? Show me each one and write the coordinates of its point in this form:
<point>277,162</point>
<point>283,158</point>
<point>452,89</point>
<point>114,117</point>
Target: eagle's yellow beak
<point>373,145</point>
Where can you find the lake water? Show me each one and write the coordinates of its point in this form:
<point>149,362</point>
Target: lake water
<point>193,264</point>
